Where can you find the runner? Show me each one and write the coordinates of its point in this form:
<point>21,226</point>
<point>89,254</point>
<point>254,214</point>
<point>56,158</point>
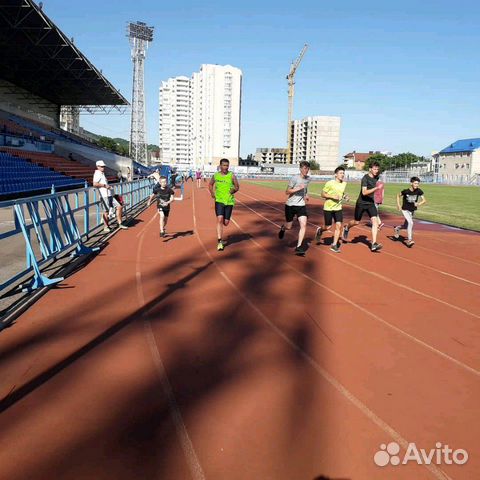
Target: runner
<point>164,195</point>
<point>366,203</point>
<point>378,197</point>
<point>412,198</point>
<point>297,191</point>
<point>334,193</point>
<point>198,176</point>
<point>108,202</point>
<point>226,185</point>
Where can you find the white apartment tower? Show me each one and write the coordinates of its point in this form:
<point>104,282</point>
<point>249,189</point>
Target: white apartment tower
<point>317,138</point>
<point>214,107</point>
<point>174,120</point>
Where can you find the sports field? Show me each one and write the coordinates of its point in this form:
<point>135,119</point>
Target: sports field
<point>456,206</point>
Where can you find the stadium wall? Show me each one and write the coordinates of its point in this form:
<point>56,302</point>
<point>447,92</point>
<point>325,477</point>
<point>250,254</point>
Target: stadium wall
<point>112,160</point>
<point>20,102</point>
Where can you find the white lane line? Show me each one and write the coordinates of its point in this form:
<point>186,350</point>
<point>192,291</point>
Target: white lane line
<point>384,426</point>
<point>182,433</point>
<point>368,312</point>
<point>436,252</point>
<point>382,277</point>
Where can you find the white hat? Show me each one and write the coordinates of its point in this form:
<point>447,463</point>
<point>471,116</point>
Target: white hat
<point>100,163</point>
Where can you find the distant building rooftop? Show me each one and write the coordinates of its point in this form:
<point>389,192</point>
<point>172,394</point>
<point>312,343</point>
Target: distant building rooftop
<point>466,145</point>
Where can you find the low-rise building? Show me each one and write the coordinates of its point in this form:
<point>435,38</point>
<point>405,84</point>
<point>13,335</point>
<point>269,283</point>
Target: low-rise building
<point>461,157</point>
<point>271,155</point>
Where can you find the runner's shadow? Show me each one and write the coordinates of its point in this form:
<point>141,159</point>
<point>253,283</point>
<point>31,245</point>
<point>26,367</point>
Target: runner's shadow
<point>322,477</point>
<point>131,222</point>
<point>361,239</point>
<point>175,235</point>
<point>393,239</point>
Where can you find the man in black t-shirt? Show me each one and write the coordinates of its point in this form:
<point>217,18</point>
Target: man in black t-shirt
<point>164,196</point>
<point>366,203</point>
<point>411,199</point>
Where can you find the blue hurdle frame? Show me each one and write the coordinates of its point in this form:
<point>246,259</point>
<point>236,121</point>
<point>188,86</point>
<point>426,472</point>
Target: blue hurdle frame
<point>59,231</point>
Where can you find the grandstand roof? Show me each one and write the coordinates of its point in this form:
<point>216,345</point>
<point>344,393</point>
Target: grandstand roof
<point>466,145</point>
<point>37,56</point>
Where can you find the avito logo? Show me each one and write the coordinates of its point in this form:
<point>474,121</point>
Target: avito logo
<point>441,455</point>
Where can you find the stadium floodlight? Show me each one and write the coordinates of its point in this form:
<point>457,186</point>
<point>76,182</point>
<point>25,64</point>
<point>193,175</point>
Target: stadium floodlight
<point>140,35</point>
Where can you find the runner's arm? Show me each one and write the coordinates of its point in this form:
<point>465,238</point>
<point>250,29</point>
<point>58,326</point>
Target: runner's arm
<point>291,191</point>
<point>327,196</point>
<point>366,191</point>
<point>399,196</point>
<point>422,201</point>
<point>236,185</point>
<point>211,183</point>
<point>150,198</point>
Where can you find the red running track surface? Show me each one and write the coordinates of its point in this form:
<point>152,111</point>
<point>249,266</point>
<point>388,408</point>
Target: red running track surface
<point>165,359</point>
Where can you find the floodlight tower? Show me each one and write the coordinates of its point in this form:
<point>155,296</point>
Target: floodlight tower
<point>140,35</point>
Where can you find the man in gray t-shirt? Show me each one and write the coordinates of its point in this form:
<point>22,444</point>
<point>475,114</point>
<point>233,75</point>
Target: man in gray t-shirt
<point>295,206</point>
<point>298,197</point>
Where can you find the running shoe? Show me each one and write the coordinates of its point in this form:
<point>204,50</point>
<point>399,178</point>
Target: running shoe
<point>106,230</point>
<point>122,226</point>
<point>300,251</point>
<point>318,235</point>
<point>396,232</point>
<point>410,243</point>
<point>281,233</point>
<point>335,248</point>
<point>381,226</point>
<point>345,233</point>
<point>220,247</point>
<point>162,234</point>
<point>376,247</point>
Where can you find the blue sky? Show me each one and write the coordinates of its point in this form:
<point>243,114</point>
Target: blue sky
<point>403,76</point>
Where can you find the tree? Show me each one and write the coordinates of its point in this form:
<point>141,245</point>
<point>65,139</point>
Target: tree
<point>108,143</point>
<point>404,160</point>
<point>380,158</point>
<point>314,165</point>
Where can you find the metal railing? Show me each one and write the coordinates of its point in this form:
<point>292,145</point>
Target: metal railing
<point>51,225</point>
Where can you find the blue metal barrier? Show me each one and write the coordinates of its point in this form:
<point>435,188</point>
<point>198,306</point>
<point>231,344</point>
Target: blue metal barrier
<point>49,227</point>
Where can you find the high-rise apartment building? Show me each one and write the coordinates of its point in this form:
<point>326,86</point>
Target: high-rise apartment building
<point>213,126</point>
<point>317,138</point>
<point>174,120</point>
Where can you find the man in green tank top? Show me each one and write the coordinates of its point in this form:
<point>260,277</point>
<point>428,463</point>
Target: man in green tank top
<point>223,185</point>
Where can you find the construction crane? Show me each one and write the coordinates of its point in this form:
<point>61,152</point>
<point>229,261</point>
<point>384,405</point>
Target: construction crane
<point>291,94</point>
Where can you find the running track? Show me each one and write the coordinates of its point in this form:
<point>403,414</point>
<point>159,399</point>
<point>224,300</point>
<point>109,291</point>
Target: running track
<point>163,359</point>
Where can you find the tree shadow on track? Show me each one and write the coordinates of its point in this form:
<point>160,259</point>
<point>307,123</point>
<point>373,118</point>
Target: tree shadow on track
<point>39,380</point>
<point>238,238</point>
<point>209,350</point>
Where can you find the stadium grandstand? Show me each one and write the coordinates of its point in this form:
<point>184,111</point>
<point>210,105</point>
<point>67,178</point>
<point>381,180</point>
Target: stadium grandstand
<point>42,73</point>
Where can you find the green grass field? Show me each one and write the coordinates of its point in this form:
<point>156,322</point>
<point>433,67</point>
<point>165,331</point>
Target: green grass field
<point>457,206</point>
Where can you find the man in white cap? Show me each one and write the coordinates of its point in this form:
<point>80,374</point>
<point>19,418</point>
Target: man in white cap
<point>107,201</point>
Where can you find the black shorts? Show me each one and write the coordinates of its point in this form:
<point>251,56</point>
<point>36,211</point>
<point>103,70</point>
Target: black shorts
<point>165,210</point>
<point>292,210</point>
<point>222,210</point>
<point>107,203</point>
<point>331,216</point>
<point>361,208</point>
